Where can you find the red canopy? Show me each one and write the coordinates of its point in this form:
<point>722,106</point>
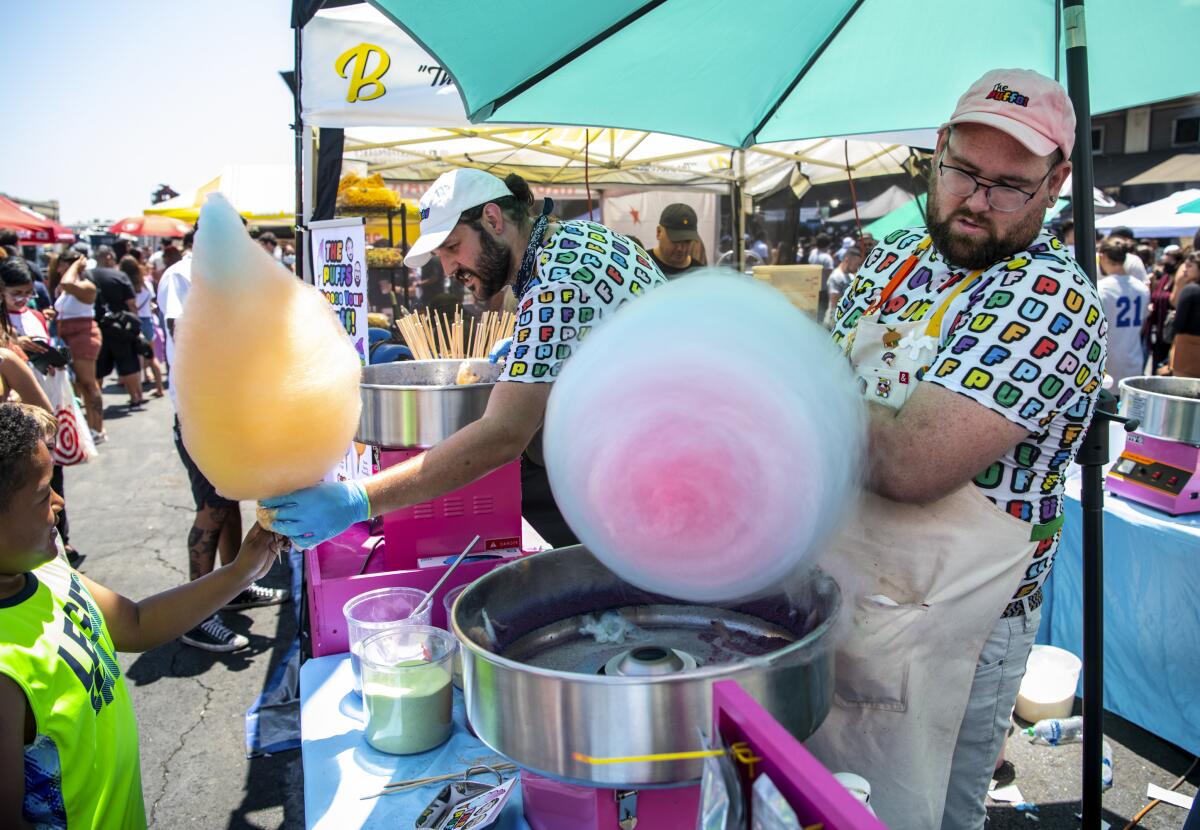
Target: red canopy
<point>31,226</point>
<point>152,225</point>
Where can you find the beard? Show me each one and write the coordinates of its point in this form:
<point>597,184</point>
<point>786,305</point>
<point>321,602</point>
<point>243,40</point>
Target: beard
<point>964,252</point>
<point>492,266</point>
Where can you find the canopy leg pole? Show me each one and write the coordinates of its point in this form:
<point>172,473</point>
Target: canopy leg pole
<point>298,140</point>
<point>404,248</point>
<point>1094,452</point>
<point>739,215</point>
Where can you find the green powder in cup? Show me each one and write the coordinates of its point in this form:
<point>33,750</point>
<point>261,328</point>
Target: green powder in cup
<point>408,711</point>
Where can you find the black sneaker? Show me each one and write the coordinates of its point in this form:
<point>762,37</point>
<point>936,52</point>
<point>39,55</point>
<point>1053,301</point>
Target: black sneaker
<point>212,635</point>
<point>256,596</point>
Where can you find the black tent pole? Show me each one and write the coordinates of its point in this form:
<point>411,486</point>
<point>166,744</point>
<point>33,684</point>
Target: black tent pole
<point>1094,453</point>
<point>298,134</point>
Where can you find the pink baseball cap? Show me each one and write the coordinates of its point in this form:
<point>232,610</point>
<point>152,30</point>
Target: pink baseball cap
<point>1033,109</point>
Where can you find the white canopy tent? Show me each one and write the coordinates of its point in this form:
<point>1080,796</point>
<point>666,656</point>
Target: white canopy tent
<point>1157,219</point>
<point>605,157</point>
<point>881,205</point>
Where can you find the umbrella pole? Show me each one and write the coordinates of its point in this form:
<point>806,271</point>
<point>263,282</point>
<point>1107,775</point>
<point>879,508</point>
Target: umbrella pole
<point>1094,453</point>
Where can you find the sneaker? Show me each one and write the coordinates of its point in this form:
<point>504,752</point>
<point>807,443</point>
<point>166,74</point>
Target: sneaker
<point>256,596</point>
<point>212,635</point>
<point>99,437</point>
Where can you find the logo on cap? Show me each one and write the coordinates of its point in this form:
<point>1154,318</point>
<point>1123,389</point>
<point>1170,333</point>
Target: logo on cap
<point>425,213</point>
<point>1001,92</point>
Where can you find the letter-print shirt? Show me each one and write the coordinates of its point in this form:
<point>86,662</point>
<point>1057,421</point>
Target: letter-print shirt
<point>1027,341</point>
<point>82,769</point>
<point>585,272</point>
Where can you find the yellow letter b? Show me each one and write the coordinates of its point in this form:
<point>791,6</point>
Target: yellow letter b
<point>359,79</point>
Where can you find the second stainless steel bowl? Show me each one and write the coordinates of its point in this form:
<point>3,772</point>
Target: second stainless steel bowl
<point>416,403</point>
<point>1167,407</point>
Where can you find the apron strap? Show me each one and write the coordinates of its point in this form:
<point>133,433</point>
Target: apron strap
<point>901,273</point>
<point>934,329</point>
<point>1042,532</point>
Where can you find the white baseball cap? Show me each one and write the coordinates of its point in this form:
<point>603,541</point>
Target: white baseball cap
<point>444,202</point>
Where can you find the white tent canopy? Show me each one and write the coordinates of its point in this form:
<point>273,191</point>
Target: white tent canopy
<point>606,157</point>
<point>881,205</point>
<point>1157,219</point>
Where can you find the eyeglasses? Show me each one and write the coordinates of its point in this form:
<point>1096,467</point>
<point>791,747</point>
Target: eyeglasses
<point>1002,197</point>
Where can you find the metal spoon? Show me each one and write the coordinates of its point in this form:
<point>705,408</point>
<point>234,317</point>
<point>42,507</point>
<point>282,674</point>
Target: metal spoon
<point>429,597</point>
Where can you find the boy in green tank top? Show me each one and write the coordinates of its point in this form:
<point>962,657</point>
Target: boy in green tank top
<point>68,737</point>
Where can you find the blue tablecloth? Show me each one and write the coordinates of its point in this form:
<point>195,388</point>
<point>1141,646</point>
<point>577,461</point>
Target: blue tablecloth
<point>1151,613</point>
<point>340,768</point>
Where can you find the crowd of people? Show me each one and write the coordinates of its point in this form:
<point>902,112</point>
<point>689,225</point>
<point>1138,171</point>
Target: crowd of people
<point>1153,312</point>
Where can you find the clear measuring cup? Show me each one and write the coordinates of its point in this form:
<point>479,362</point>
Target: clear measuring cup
<point>379,610</point>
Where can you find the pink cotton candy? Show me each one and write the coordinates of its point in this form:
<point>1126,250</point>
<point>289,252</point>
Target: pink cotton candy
<point>704,441</point>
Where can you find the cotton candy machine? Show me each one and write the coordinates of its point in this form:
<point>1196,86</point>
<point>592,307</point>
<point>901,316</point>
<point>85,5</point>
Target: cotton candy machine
<point>1159,466</point>
<point>564,662</point>
<point>406,408</point>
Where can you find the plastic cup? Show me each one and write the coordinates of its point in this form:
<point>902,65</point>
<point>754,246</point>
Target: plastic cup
<point>407,692</point>
<point>379,610</point>
<point>448,600</point>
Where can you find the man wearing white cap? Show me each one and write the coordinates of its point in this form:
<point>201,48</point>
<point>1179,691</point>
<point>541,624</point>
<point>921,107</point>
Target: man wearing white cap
<point>567,276</point>
<point>980,347</point>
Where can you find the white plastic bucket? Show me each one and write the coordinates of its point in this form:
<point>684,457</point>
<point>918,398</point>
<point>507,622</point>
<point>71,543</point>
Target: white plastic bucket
<point>1048,688</point>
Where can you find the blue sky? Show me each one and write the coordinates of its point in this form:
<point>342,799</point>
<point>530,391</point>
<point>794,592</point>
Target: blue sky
<point>106,100</point>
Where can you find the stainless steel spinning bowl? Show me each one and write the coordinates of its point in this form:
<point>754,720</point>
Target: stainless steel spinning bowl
<point>1167,407</point>
<point>416,404</point>
<point>538,689</point>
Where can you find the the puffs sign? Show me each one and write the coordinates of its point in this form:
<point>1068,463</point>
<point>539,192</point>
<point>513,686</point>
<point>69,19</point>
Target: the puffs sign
<point>359,69</point>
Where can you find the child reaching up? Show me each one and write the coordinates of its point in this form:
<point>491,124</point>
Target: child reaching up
<point>68,737</point>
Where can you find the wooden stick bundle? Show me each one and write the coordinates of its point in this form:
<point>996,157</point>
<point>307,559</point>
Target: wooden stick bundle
<point>433,335</point>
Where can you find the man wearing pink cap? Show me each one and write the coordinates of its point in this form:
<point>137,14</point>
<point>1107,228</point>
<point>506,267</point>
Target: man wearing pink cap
<point>980,347</point>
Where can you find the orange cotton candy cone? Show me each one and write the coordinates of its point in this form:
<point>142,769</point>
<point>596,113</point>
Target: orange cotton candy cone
<point>267,380</point>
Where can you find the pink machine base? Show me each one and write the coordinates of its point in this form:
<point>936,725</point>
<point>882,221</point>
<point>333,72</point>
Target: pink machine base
<point>1159,473</point>
<point>810,789</point>
<point>554,805</point>
<point>363,558</point>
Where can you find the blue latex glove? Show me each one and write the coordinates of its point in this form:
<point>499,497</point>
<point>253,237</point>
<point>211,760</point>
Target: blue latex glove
<point>310,516</point>
<point>500,350</point>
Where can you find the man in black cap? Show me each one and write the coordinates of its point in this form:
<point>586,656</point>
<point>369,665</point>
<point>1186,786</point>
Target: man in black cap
<point>676,233</point>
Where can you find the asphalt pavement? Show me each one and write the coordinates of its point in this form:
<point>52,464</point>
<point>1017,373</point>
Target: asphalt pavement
<point>130,514</point>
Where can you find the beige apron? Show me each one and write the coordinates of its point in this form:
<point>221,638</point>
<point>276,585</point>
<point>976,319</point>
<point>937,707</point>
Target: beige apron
<point>924,586</point>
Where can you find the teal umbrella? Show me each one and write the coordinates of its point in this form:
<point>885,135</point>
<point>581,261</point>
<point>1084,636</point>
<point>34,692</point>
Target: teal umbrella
<point>909,215</point>
<point>744,72</point>
<point>1190,207</point>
